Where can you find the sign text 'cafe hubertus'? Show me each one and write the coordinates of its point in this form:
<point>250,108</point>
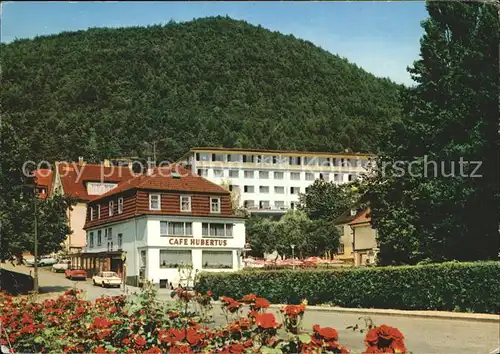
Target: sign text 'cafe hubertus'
<point>177,241</point>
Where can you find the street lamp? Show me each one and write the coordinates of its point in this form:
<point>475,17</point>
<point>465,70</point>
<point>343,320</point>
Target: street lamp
<point>35,256</point>
<point>293,256</point>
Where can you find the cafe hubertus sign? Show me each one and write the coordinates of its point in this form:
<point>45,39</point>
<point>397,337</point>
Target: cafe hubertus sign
<point>180,241</point>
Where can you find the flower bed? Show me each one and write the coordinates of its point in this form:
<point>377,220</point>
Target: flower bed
<point>120,325</point>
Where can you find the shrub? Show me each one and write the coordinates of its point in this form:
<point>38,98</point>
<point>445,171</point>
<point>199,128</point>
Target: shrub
<point>451,286</point>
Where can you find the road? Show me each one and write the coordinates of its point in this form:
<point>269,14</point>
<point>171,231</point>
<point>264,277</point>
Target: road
<point>425,336</point>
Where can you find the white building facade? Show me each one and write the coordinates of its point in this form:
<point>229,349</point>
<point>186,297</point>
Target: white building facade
<point>157,248</point>
<point>268,181</point>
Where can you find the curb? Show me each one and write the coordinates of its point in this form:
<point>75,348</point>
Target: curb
<point>444,315</point>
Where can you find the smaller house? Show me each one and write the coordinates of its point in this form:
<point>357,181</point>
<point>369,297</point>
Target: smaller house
<point>358,239</point>
<point>43,182</point>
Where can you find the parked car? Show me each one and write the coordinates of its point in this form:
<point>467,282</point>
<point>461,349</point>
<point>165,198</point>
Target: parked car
<point>61,266</point>
<point>44,261</point>
<point>75,272</point>
<point>107,279</point>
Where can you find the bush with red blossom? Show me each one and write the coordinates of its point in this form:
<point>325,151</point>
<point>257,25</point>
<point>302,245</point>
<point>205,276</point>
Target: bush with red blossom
<point>70,324</point>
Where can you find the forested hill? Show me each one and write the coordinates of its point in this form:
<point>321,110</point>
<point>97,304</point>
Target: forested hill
<point>210,82</point>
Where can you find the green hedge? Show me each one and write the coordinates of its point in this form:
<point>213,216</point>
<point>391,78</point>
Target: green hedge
<point>452,286</point>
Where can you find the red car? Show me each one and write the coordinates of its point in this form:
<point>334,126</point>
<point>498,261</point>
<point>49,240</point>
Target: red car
<point>75,273</point>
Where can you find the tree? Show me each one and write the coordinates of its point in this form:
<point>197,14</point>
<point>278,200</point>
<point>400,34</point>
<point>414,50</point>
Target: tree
<point>327,200</point>
<point>430,212</point>
<point>310,237</point>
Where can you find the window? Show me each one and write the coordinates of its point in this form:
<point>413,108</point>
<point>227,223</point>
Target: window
<point>309,176</point>
<point>203,157</point>
<point>266,159</point>
<point>264,204</point>
<point>91,213</point>
<point>294,190</point>
<point>111,206</point>
<point>185,203</point>
<point>143,258</point>
<point>218,157</point>
<point>248,158</point>
<point>341,249</point>
<point>99,237</point>
<point>248,174</point>
<point>278,175</point>
<point>249,204</point>
<point>279,190</point>
<point>108,233</point>
<point>233,158</point>
<point>324,161</point>
<point>279,204</point>
<point>292,205</point>
<point>310,161</point>
<point>249,189</point>
<point>295,176</point>
<point>120,205</point>
<point>216,230</point>
<point>294,160</point>
<point>175,258</point>
<point>218,173</point>
<point>337,177</point>
<point>263,189</point>
<point>98,211</point>
<point>234,173</point>
<point>120,240</point>
<point>352,177</point>
<point>171,228</point>
<point>217,259</point>
<point>324,176</point>
<point>154,202</point>
<point>215,205</point>
<point>91,239</point>
<point>202,172</point>
<point>263,174</point>
<point>96,188</point>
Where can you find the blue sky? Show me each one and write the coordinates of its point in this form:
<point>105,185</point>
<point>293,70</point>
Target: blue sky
<point>381,37</point>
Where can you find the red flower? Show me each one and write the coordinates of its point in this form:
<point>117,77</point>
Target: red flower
<point>126,341</point>
<point>247,299</point>
<point>261,303</point>
<point>153,350</point>
<point>328,333</point>
<point>266,320</point>
<point>193,336</point>
<point>371,336</point>
<point>140,341</point>
<point>209,293</point>
<point>236,348</point>
<point>100,322</point>
<point>100,349</point>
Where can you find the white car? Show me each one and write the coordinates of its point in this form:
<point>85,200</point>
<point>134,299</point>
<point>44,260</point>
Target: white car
<point>61,266</point>
<point>44,261</point>
<point>107,279</point>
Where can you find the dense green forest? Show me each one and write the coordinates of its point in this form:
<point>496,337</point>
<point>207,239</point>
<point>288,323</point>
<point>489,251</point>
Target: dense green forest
<point>210,82</point>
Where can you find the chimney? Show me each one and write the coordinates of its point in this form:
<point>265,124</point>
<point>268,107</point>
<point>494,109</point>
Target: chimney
<point>80,161</point>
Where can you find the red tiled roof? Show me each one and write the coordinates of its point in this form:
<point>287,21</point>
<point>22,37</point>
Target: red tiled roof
<point>74,177</point>
<point>43,178</point>
<point>164,179</point>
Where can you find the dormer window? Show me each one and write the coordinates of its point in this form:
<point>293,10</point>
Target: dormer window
<point>154,202</point>
<point>215,205</point>
<point>120,205</point>
<point>185,203</point>
<point>111,207</point>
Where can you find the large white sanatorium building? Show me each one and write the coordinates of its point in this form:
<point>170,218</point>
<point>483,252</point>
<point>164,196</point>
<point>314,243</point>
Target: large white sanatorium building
<point>269,181</point>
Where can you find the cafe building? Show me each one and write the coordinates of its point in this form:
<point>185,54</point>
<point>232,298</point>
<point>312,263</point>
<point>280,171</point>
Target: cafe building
<point>163,226</point>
